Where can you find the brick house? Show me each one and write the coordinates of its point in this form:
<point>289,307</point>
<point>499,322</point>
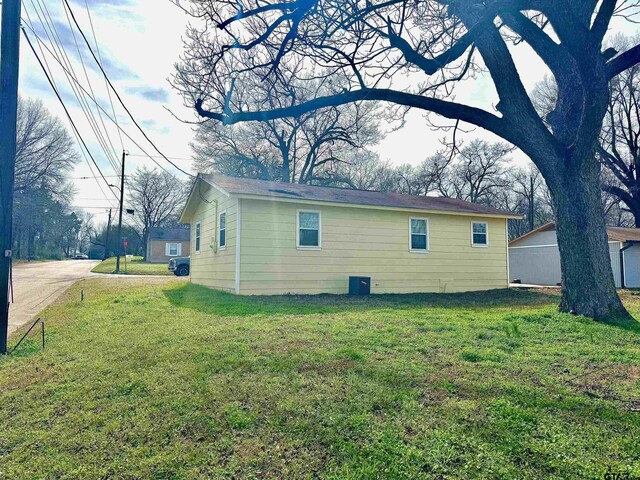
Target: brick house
<point>163,244</point>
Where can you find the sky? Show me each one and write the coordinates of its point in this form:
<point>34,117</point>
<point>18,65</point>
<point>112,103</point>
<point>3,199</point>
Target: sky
<point>138,42</point>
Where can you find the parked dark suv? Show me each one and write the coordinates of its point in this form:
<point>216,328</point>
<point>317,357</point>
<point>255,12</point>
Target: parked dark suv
<point>180,266</point>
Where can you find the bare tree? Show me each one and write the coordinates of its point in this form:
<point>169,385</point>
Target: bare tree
<point>42,223</point>
<point>412,54</point>
<point>526,193</point>
<point>619,149</point>
<point>85,231</point>
<point>476,174</point>
<point>45,152</point>
<point>364,170</point>
<point>309,148</point>
<point>237,150</point>
<point>480,172</point>
<point>157,198</point>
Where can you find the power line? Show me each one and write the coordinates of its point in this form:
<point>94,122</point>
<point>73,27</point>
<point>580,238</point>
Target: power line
<point>92,208</point>
<point>158,156</point>
<point>54,38</point>
<point>46,69</point>
<point>41,44</point>
<point>84,155</point>
<point>88,112</point>
<point>118,95</point>
<point>86,75</point>
<point>48,26</point>
<point>89,178</point>
<point>55,90</point>
<point>88,199</point>
<point>95,40</point>
<point>110,154</point>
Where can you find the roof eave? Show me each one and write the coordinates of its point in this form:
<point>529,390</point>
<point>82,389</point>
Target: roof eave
<point>208,180</point>
<point>183,218</point>
<point>541,228</point>
<point>199,178</point>
<point>375,207</point>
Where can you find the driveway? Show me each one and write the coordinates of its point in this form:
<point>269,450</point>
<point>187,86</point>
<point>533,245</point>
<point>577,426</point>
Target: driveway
<point>38,284</point>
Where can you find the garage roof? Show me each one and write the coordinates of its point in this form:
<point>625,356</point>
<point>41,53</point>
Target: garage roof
<point>621,234</point>
<point>615,234</point>
<point>170,234</point>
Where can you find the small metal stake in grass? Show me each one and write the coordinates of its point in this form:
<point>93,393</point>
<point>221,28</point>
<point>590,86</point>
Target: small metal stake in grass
<point>41,322</point>
<point>82,295</point>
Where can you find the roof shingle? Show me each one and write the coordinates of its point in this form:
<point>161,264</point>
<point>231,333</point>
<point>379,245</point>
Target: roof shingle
<point>295,191</point>
<point>175,234</point>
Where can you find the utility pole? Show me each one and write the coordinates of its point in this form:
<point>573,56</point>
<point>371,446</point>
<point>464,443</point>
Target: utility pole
<point>118,247</point>
<point>9,63</point>
<point>106,241</point>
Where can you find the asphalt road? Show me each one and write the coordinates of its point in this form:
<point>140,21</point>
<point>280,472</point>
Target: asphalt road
<point>38,284</point>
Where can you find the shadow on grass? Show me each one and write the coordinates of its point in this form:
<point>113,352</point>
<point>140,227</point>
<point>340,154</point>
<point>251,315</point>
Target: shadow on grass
<point>623,320</point>
<point>216,302</point>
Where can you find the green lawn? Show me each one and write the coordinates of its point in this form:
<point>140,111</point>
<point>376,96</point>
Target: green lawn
<point>134,266</point>
<point>150,378</point>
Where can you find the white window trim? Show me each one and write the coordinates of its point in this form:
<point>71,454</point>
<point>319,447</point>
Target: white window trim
<point>308,247</point>
<point>195,238</point>
<point>167,249</point>
<point>222,247</point>
<point>480,245</point>
<point>419,250</point>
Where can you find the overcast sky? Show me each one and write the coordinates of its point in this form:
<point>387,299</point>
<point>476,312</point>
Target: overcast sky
<point>139,42</point>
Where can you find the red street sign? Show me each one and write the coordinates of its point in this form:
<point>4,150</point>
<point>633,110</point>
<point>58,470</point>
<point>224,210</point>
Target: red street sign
<point>125,243</point>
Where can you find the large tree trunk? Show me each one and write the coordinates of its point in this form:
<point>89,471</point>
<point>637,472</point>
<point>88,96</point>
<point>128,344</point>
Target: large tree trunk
<point>588,286</point>
<point>636,215</point>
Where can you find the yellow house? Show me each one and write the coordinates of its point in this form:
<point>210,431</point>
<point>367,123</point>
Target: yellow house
<point>255,237</point>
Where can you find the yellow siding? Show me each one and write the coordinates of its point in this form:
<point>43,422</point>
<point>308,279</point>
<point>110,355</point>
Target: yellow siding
<point>365,242</point>
<point>210,268</point>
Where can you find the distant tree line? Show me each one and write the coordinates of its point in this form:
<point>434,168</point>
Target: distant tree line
<point>44,225</point>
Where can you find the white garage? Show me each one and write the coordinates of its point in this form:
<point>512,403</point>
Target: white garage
<point>534,258</point>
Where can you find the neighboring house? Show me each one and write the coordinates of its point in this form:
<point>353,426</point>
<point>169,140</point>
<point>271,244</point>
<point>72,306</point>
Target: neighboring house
<point>258,237</point>
<point>534,258</point>
<point>165,243</point>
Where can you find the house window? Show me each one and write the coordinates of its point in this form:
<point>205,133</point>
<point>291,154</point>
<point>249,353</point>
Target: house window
<point>308,229</point>
<point>418,234</point>
<point>222,234</point>
<point>197,237</point>
<point>172,249</point>
<point>479,234</point>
